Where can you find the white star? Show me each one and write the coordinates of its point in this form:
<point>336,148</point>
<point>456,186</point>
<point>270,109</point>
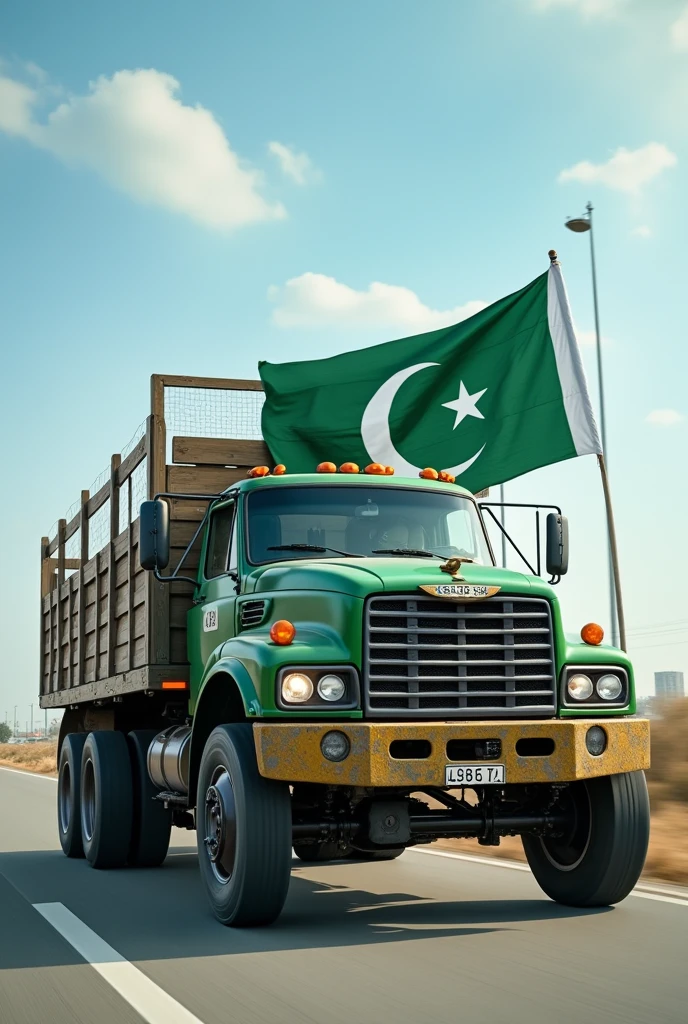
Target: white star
<point>465,404</point>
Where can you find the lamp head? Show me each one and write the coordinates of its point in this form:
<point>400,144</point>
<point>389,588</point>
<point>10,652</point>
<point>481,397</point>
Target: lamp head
<point>578,224</point>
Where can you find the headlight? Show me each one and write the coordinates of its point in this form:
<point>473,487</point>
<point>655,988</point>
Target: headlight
<point>579,687</point>
<point>609,687</point>
<point>296,688</point>
<point>331,687</point>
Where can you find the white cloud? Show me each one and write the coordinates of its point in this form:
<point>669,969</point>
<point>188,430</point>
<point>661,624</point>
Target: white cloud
<point>134,131</point>
<point>642,231</point>
<point>588,8</point>
<point>679,31</point>
<point>627,170</point>
<point>664,418</point>
<point>297,166</point>
<point>315,300</point>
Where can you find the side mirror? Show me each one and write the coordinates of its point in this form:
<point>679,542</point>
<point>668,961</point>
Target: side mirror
<point>154,535</point>
<point>557,544</point>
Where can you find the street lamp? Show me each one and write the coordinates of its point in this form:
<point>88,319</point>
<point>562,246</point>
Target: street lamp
<point>580,225</point>
<point>14,720</point>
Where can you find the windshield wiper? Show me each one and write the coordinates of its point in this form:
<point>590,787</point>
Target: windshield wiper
<point>414,552</point>
<point>312,547</point>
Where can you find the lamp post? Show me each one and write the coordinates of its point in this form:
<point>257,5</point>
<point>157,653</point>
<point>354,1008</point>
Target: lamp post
<point>580,225</point>
<point>14,720</point>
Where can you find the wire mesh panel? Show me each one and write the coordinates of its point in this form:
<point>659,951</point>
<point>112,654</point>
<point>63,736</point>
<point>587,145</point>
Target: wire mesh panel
<point>99,529</point>
<point>138,483</point>
<point>212,412</point>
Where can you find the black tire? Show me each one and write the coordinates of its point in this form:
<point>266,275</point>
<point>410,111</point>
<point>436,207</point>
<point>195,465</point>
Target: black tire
<point>601,858</point>
<point>152,822</point>
<point>391,854</point>
<point>69,794</point>
<point>106,799</point>
<point>312,852</point>
<point>243,827</point>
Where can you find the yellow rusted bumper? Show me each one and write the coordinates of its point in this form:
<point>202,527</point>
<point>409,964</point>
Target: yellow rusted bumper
<point>291,752</point>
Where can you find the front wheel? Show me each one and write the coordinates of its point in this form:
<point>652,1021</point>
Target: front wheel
<point>599,858</point>
<point>243,825</point>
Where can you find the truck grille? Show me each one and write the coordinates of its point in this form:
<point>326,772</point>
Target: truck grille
<point>428,657</point>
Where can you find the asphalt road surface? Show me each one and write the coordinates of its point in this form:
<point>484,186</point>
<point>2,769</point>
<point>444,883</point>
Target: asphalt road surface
<point>426,938</point>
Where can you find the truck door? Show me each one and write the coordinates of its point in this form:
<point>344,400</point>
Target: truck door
<point>214,614</point>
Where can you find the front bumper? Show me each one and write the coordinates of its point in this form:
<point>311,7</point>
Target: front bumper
<point>291,752</point>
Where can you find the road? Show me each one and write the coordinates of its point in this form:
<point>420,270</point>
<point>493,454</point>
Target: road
<point>426,937</point>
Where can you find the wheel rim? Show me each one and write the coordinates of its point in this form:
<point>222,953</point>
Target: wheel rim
<point>220,825</point>
<point>88,800</point>
<point>64,798</point>
<point>566,852</point>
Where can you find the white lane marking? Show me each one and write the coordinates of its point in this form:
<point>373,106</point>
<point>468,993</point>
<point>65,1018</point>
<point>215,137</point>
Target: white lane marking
<point>34,775</point>
<point>147,998</point>
<point>641,891</point>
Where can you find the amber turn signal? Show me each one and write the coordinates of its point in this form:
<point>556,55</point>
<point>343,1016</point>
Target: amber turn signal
<point>592,634</point>
<point>282,632</point>
<point>326,467</point>
<point>259,471</point>
<point>429,474</point>
<point>174,684</point>
<point>349,467</point>
<point>279,470</point>
<point>389,470</point>
<point>447,478</point>
<point>376,469</point>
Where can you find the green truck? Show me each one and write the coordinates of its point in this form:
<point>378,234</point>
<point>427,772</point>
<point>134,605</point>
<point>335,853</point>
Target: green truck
<point>326,663</point>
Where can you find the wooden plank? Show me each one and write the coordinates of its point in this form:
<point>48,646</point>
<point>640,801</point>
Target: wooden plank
<point>215,383</point>
<point>157,594</point>
<point>81,634</point>
<point>186,511</point>
<point>72,526</point>
<point>201,479</point>
<point>148,677</point>
<point>46,568</point>
<point>131,569</point>
<point>61,526</point>
<point>99,498</point>
<point>44,560</point>
<point>133,459</point>
<point>218,451</point>
<point>115,463</point>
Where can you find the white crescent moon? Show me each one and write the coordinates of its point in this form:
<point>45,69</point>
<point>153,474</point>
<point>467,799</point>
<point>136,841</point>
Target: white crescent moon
<point>375,427</point>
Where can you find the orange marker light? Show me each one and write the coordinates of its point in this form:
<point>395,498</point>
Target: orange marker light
<point>447,478</point>
<point>429,474</point>
<point>592,634</point>
<point>279,470</point>
<point>326,467</point>
<point>349,467</point>
<point>175,684</point>
<point>282,632</point>
<point>376,469</point>
<point>389,470</point>
<point>259,471</point>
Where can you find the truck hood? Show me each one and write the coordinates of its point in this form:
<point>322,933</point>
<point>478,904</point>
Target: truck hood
<point>359,577</point>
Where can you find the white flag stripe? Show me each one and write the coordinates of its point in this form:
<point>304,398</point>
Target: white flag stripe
<point>147,998</point>
<point>574,386</point>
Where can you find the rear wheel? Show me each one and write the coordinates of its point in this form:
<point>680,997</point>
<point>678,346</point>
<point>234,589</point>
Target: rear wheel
<point>243,826</point>
<point>68,794</point>
<point>106,799</point>
<point>152,821</point>
<point>599,858</point>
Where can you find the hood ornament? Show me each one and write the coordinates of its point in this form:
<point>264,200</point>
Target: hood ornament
<point>453,566</point>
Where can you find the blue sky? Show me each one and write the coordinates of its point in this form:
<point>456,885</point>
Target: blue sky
<point>199,159</point>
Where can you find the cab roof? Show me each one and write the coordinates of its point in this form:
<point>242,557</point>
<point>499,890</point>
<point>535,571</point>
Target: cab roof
<point>348,480</point>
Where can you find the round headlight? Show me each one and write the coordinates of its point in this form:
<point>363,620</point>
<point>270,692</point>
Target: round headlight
<point>335,746</point>
<point>331,687</point>
<point>579,687</point>
<point>296,688</point>
<point>609,687</point>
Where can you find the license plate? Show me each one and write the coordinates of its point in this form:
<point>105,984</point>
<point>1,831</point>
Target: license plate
<point>474,775</point>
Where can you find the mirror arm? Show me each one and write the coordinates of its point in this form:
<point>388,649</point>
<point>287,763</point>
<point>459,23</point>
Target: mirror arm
<point>174,577</point>
<point>511,541</point>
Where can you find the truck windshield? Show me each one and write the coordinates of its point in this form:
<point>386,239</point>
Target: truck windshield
<point>362,520</point>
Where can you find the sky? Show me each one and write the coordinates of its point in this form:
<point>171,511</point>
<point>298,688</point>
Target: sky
<point>189,189</point>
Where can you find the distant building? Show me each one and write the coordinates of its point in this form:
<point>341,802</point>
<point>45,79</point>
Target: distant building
<point>669,684</point>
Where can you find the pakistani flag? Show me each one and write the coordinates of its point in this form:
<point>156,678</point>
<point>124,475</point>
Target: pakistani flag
<point>488,399</point>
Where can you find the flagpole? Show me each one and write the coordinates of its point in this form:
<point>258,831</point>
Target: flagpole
<point>613,553</point>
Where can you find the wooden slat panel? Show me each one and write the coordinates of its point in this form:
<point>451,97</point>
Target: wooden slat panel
<point>201,479</point>
<point>115,462</point>
<point>186,511</point>
<point>217,451</point>
<point>81,635</point>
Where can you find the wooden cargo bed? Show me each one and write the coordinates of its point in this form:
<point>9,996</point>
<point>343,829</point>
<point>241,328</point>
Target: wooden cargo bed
<point>107,627</point>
